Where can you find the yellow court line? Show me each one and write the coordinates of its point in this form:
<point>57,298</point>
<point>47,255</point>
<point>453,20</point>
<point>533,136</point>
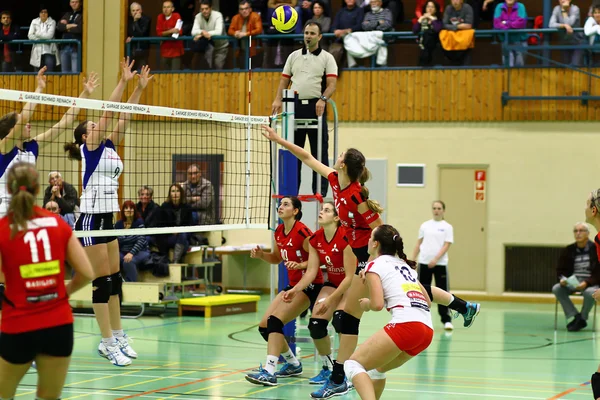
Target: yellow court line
<point>264,390</point>
<point>200,390</point>
<point>145,360</point>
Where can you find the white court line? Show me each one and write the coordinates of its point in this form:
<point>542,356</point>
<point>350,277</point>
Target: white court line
<point>503,396</point>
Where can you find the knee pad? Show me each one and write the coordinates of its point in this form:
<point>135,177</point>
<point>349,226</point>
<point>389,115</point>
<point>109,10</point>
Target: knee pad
<point>116,285</point>
<point>101,290</point>
<point>317,328</point>
<point>264,333</point>
<point>376,375</point>
<point>596,385</point>
<point>337,321</point>
<point>349,324</point>
<point>274,325</point>
<point>353,368</point>
<point>429,292</point>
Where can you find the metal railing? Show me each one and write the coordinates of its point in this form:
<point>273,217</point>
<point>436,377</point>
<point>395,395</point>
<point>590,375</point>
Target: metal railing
<point>23,45</point>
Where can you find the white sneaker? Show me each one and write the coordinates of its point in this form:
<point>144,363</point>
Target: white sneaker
<point>113,354</point>
<point>123,343</point>
<point>448,326</point>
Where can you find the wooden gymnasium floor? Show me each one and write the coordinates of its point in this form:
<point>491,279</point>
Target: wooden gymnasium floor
<point>510,353</point>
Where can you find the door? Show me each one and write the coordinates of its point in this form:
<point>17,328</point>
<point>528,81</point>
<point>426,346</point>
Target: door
<point>464,191</point>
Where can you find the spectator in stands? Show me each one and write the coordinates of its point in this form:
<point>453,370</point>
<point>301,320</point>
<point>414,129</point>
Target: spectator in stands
<point>187,10</point>
<point>591,30</point>
<point>277,51</point>
<point>428,26</point>
<point>565,17</point>
<point>578,259</point>
<point>377,19</point>
<point>133,249</point>
<point>8,33</point>
<point>420,8</point>
<point>245,23</point>
<point>200,196</point>
<point>173,212</point>
<point>71,25</point>
<point>138,26</point>
<point>347,20</point>
<point>458,17</point>
<point>146,204</point>
<point>54,208</point>
<point>62,193</point>
<point>168,24</point>
<point>209,23</point>
<point>507,16</point>
<point>43,28</point>
<point>319,15</point>
<point>488,7</point>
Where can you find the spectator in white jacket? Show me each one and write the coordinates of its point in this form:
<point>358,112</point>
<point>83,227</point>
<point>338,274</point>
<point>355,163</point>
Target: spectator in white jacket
<point>43,54</point>
<point>591,29</point>
<point>209,23</point>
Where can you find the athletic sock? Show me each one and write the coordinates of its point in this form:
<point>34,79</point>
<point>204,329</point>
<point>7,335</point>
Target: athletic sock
<point>458,304</point>
<point>290,358</point>
<point>119,333</point>
<point>338,375</point>
<point>109,342</point>
<point>271,364</point>
<point>327,362</point>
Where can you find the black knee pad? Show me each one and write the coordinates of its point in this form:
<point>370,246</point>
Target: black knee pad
<point>429,292</point>
<point>274,325</point>
<point>101,290</point>
<point>596,385</point>
<point>264,333</point>
<point>117,284</point>
<point>349,324</point>
<point>317,328</point>
<point>337,321</point>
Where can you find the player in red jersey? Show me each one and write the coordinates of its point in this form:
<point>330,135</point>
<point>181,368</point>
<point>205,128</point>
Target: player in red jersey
<point>291,246</point>
<point>329,246</point>
<point>592,217</point>
<point>37,322</point>
<point>359,215</point>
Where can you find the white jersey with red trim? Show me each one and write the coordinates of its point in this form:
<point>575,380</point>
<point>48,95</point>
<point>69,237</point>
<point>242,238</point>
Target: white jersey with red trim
<point>401,290</point>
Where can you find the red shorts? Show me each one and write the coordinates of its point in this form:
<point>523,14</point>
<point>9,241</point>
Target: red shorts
<point>410,337</point>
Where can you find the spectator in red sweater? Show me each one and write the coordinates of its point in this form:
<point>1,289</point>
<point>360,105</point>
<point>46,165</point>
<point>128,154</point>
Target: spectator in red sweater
<point>168,24</point>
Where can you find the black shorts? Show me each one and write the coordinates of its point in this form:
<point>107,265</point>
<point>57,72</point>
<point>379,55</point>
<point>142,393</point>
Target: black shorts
<point>22,348</point>
<point>95,222</point>
<point>312,292</point>
<point>362,255</point>
<point>329,284</point>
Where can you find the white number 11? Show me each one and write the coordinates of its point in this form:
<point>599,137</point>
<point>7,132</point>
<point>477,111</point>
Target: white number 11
<point>31,239</point>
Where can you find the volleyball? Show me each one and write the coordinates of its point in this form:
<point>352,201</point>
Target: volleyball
<point>284,19</point>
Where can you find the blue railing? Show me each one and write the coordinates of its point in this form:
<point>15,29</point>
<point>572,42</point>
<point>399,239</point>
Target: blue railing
<point>503,37</point>
<point>23,45</point>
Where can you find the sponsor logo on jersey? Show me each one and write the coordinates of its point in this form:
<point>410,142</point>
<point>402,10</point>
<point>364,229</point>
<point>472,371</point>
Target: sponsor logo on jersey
<point>335,248</point>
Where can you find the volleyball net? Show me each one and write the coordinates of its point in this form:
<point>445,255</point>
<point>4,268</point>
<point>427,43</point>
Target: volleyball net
<point>220,161</point>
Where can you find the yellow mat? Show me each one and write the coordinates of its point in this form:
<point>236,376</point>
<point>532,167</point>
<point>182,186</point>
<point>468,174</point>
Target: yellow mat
<point>219,300</point>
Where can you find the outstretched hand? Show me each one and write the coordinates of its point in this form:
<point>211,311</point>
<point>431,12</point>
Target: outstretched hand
<point>126,66</point>
<point>41,78</point>
<point>91,83</point>
<point>270,133</point>
<point>144,77</point>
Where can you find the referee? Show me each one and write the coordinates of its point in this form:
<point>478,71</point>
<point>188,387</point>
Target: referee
<point>307,69</point>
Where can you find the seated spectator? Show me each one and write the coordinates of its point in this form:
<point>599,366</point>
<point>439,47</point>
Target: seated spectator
<point>507,16</point>
<point>173,212</point>
<point>187,10</point>
<point>62,193</point>
<point>200,194</point>
<point>133,249</point>
<point>8,33</point>
<point>578,259</point>
<point>277,50</point>
<point>420,9</point>
<point>347,20</point>
<point>245,23</point>
<point>54,208</point>
<point>170,50</point>
<point>429,26</point>
<point>319,15</point>
<point>146,205</point>
<point>138,26</point>
<point>591,30</point>
<point>71,26</point>
<point>377,19</point>
<point>488,7</point>
<point>458,17</point>
<point>209,23</point>
<point>42,54</point>
<point>565,17</point>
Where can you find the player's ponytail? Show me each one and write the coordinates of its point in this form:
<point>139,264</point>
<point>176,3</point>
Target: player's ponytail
<point>23,185</point>
<point>73,148</point>
<point>391,243</point>
<point>356,170</point>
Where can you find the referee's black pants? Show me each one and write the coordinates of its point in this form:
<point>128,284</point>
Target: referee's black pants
<point>441,280</point>
<point>306,109</point>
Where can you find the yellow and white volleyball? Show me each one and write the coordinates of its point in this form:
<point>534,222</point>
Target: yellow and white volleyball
<point>284,19</point>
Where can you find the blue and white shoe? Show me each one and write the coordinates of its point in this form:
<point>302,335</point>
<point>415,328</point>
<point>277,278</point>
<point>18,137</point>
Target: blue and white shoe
<point>472,312</point>
<point>262,377</point>
<point>288,370</point>
<point>330,389</point>
<point>114,355</point>
<point>124,344</point>
<point>321,378</point>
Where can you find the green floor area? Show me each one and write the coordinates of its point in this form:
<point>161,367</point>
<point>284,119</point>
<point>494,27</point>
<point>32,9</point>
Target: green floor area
<point>511,352</point>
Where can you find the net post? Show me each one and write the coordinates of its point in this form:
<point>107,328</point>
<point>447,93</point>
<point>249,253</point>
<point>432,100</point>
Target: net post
<point>273,224</point>
<point>249,137</point>
<point>319,152</point>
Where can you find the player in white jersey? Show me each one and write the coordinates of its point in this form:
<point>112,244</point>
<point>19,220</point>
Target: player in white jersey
<point>101,168</point>
<point>393,284</point>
